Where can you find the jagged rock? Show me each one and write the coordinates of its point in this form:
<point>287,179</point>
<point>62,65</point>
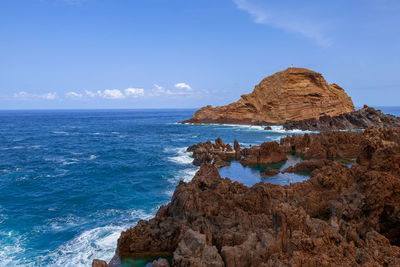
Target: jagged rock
<point>99,263</point>
<point>307,165</point>
<point>324,145</point>
<point>238,151</point>
<point>193,251</point>
<point>219,163</point>
<point>341,216</point>
<point>217,153</point>
<point>270,172</point>
<point>161,263</point>
<point>219,143</point>
<point>360,119</point>
<point>290,95</point>
<point>268,152</point>
<point>228,148</point>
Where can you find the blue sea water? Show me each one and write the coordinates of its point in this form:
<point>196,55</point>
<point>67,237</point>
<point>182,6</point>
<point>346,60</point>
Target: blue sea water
<point>71,181</point>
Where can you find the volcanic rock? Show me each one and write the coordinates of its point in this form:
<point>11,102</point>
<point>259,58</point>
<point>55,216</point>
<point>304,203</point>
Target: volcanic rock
<point>290,95</point>
<point>307,165</point>
<point>161,263</point>
<point>324,145</point>
<point>268,152</point>
<point>360,119</point>
<point>270,172</point>
<point>340,216</point>
<point>99,263</point>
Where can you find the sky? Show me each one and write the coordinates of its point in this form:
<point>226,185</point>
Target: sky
<point>84,54</point>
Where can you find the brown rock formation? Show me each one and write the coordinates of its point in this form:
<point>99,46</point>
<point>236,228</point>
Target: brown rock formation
<point>360,119</point>
<point>324,145</point>
<point>270,172</point>
<point>341,216</point>
<point>290,95</point>
<point>99,263</point>
<point>308,165</point>
<point>266,153</point>
<point>219,153</point>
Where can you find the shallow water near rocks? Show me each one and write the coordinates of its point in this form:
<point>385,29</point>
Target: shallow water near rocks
<point>251,175</point>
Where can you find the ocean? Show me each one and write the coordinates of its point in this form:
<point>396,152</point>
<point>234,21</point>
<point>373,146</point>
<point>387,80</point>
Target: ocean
<point>71,181</point>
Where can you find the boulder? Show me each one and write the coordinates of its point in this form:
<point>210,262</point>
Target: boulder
<point>270,172</point>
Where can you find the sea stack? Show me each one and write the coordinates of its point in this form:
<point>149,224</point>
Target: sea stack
<point>290,95</point>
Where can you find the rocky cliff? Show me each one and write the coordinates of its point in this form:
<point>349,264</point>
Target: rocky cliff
<point>290,95</point>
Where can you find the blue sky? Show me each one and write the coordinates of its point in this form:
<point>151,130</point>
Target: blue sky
<point>190,53</point>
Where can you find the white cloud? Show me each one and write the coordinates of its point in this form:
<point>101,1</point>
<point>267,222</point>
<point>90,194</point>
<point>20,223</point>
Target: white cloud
<point>90,93</point>
<point>112,94</point>
<point>184,86</point>
<point>73,95</point>
<point>21,94</point>
<point>26,95</point>
<point>288,20</point>
<point>179,89</point>
<point>50,96</point>
<point>134,92</point>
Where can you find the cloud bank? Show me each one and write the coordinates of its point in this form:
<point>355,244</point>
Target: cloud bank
<point>179,89</point>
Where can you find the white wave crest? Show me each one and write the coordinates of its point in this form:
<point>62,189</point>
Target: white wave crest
<point>280,129</point>
<point>185,175</point>
<point>97,243</point>
<point>181,156</point>
<point>10,248</point>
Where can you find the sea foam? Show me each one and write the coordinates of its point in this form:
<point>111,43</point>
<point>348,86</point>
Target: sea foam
<point>96,243</point>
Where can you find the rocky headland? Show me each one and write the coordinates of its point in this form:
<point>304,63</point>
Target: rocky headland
<point>296,98</point>
<point>290,95</point>
<point>340,216</point>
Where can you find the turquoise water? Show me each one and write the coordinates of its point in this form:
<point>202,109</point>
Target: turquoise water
<point>71,181</point>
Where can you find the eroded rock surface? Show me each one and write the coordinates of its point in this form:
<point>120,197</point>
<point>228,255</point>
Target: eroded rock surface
<point>341,216</point>
<point>266,153</point>
<point>360,119</point>
<point>220,153</point>
<point>324,145</point>
<point>290,95</point>
<point>308,165</point>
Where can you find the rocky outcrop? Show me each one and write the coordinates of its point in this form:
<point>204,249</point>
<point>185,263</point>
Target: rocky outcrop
<point>308,165</point>
<point>266,153</point>
<point>99,263</point>
<point>341,216</point>
<point>220,153</point>
<point>269,172</point>
<point>290,95</point>
<point>324,145</point>
<point>360,119</point>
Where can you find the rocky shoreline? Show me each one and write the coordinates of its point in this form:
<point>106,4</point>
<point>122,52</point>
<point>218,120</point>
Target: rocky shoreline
<point>340,216</point>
